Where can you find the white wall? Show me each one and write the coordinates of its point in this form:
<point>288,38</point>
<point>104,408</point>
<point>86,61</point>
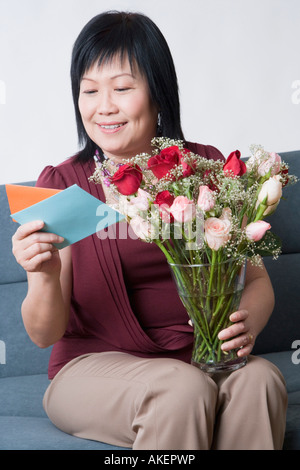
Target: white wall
<point>237,62</point>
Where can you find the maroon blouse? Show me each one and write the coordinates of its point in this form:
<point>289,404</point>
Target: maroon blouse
<point>123,296</point>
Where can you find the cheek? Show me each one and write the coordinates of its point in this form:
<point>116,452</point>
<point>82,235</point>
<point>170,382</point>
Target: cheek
<point>141,109</point>
<point>85,109</point>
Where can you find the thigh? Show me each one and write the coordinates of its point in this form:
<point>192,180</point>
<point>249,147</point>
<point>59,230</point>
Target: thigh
<point>94,395</point>
<point>111,396</point>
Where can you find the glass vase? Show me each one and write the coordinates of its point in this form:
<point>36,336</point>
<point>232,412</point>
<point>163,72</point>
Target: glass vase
<point>211,293</point>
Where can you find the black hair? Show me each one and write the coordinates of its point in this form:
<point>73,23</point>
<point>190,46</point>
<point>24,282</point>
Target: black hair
<point>135,36</point>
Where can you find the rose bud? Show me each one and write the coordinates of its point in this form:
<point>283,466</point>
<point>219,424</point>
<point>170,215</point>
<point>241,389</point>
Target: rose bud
<point>206,199</point>
<point>256,230</point>
<point>271,191</point>
<point>234,164</point>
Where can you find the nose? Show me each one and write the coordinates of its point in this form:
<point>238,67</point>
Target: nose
<point>106,104</point>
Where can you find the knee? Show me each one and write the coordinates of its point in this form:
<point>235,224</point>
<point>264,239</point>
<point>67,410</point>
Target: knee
<point>261,375</point>
<point>183,385</point>
<point>265,372</point>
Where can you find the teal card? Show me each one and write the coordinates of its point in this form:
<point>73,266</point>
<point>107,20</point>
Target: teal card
<point>72,213</point>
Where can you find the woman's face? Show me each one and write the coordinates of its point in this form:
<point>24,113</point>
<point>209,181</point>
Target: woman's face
<point>116,109</point>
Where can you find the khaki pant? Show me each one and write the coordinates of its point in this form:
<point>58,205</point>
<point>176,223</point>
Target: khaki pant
<point>166,404</point>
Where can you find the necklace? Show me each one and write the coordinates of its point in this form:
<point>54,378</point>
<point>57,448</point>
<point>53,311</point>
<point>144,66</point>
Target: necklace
<point>104,167</point>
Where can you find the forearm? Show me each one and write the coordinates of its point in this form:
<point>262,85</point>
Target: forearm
<point>258,298</point>
<point>44,311</point>
<point>256,306</point>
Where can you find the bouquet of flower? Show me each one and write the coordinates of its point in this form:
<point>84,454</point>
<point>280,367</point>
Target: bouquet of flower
<point>207,217</point>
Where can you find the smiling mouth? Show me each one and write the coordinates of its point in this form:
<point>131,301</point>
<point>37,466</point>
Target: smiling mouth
<point>111,127</point>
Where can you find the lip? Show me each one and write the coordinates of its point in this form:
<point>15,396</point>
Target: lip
<point>111,127</point>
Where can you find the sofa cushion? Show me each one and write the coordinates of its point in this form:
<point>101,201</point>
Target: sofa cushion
<point>32,433</point>
<point>291,373</point>
<point>22,395</point>
<point>282,328</point>
<point>22,356</point>
<point>24,424</point>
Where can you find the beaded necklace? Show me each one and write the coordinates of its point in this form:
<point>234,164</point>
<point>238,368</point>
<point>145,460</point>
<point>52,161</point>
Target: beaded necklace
<point>105,173</point>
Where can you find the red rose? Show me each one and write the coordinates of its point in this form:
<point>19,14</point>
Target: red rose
<point>162,163</point>
<point>164,197</point>
<point>164,200</point>
<point>187,169</point>
<point>234,164</point>
<point>127,179</point>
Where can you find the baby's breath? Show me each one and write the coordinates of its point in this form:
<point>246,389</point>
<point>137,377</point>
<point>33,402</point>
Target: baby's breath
<point>238,194</point>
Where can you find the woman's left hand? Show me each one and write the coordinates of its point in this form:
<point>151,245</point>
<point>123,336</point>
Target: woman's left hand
<point>239,335</point>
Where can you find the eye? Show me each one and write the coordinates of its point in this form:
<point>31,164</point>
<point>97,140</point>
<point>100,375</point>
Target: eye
<point>89,92</point>
<point>122,89</point>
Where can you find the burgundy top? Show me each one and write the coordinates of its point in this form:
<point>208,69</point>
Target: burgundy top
<point>123,296</point>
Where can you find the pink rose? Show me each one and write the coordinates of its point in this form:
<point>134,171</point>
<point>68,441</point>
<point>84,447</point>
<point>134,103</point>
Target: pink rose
<point>272,163</point>
<point>217,231</point>
<point>206,199</point>
<point>183,209</point>
<point>256,230</point>
<point>142,228</point>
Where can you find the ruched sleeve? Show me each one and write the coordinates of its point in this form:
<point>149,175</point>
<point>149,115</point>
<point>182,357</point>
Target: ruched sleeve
<point>51,177</point>
<point>207,151</point>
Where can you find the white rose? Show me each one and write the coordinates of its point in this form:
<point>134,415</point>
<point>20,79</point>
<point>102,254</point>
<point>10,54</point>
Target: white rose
<point>272,189</point>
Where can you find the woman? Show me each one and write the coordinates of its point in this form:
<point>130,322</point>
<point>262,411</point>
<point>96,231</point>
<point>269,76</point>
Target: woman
<point>120,366</point>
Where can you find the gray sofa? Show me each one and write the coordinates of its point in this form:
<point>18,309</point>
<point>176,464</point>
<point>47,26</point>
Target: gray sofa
<point>23,367</point>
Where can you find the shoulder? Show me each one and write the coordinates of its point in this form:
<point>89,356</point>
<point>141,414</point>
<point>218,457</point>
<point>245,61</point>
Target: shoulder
<point>207,151</point>
<point>63,175</point>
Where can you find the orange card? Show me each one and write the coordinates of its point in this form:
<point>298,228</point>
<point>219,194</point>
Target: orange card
<point>20,197</point>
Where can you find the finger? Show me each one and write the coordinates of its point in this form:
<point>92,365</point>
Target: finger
<point>26,229</point>
<point>245,351</point>
<point>233,330</point>
<point>34,263</point>
<point>31,231</point>
<point>36,249</point>
<point>35,243</point>
<point>36,238</point>
<point>241,341</point>
<point>239,315</point>
<point>44,237</point>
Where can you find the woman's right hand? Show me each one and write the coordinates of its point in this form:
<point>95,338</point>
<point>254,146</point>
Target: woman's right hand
<point>34,250</point>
